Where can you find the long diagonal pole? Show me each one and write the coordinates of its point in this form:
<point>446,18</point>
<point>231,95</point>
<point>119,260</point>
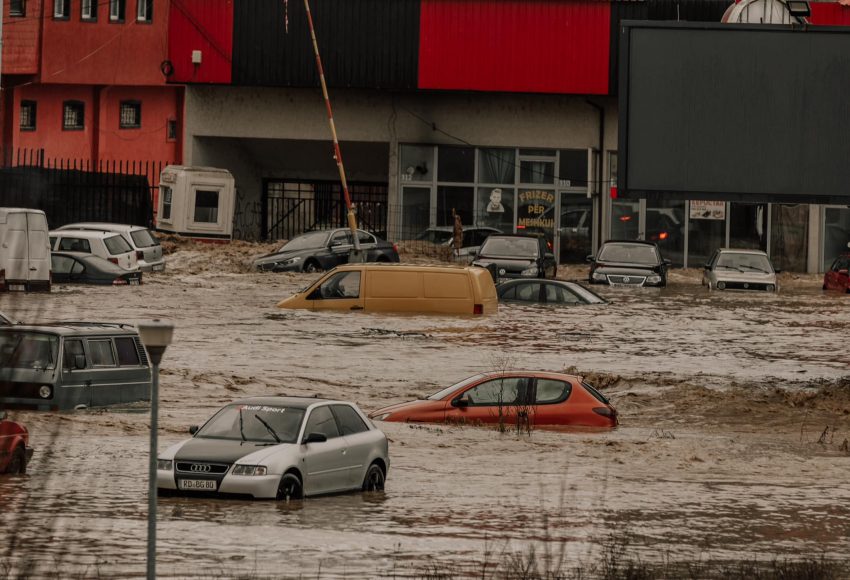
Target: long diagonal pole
<point>352,219</point>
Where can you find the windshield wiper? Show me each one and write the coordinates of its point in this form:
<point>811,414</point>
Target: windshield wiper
<point>755,268</point>
<point>241,429</point>
<point>269,427</point>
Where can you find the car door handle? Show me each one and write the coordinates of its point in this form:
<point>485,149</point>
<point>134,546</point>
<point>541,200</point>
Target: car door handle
<point>355,307</point>
<point>33,269</point>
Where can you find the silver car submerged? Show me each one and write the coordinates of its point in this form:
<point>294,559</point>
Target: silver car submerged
<point>730,269</point>
<point>278,448</point>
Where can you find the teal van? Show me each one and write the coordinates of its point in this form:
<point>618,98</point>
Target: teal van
<point>69,365</point>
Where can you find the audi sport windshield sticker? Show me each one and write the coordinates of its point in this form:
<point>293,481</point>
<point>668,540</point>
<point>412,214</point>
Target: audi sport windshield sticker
<point>263,408</point>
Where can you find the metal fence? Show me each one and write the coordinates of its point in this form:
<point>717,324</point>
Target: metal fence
<point>73,190</point>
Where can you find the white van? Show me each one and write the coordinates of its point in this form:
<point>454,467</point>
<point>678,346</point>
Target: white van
<point>107,245</point>
<point>24,250</point>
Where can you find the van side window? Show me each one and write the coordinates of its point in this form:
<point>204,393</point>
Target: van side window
<point>341,285</point>
<point>127,353</point>
<point>72,349</point>
<point>74,245</point>
<point>101,353</point>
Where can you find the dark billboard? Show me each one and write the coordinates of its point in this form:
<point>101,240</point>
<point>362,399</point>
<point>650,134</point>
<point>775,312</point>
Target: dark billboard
<point>734,112</point>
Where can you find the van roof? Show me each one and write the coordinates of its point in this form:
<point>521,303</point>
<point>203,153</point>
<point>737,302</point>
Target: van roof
<point>405,267</point>
<point>71,328</point>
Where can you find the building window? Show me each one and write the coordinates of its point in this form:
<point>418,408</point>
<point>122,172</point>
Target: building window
<point>61,8</point>
<point>131,115</point>
<point>88,10</point>
<point>17,8</point>
<point>144,11</point>
<point>171,130</point>
<point>166,194</point>
<point>73,117</point>
<point>27,115</point>
<point>116,10</point>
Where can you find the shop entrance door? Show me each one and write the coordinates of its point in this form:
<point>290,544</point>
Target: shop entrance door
<point>748,226</point>
<point>574,239</point>
<point>536,214</point>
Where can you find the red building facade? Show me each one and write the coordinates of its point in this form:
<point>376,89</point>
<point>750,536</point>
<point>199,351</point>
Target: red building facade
<point>83,80</point>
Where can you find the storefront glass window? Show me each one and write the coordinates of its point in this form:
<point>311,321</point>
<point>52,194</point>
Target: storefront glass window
<point>572,168</point>
<point>536,213</point>
<point>457,164</point>
<point>836,234</point>
<point>454,198</point>
<point>624,219</point>
<point>542,172</point>
<point>748,226</point>
<point>496,208</point>
<point>417,163</point>
<point>706,231</point>
<point>416,208</point>
<point>665,225</point>
<point>789,236</point>
<point>576,228</point>
<point>496,165</point>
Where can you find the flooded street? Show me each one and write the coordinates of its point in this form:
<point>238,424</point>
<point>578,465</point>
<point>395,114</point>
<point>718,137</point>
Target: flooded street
<point>723,451</point>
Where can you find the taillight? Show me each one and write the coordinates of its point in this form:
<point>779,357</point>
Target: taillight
<point>605,412</point>
<point>395,248</point>
<point>478,309</point>
<point>113,260</point>
<point>140,255</point>
<point>123,282</point>
<point>662,236</point>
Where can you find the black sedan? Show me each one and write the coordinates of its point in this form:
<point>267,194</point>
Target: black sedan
<point>551,292</point>
<point>78,268</point>
<point>324,250</point>
<point>628,263</point>
<point>516,256</point>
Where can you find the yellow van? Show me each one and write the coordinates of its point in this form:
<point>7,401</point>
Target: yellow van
<point>400,288</point>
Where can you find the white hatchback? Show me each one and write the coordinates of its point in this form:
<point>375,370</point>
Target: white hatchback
<point>141,239</point>
<point>107,245</point>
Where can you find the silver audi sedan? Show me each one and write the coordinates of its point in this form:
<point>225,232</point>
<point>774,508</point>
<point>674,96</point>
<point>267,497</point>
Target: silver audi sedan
<point>278,448</point>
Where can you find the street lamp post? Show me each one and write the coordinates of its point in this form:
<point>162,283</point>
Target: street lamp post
<point>156,336</point>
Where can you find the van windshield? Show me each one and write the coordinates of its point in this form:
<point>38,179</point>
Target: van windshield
<point>28,350</point>
<point>117,245</point>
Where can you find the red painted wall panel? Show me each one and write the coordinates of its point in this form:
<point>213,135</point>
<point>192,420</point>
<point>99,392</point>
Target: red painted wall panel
<point>535,46</point>
<point>104,52</point>
<point>22,39</point>
<point>205,25</point>
<point>830,14</point>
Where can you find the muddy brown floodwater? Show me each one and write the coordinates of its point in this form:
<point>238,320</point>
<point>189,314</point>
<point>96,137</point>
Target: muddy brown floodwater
<point>735,417</point>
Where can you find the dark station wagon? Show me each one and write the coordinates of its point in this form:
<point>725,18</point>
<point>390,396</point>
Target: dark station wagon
<point>68,365</point>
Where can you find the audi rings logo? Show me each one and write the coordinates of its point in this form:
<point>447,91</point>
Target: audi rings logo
<point>200,468</point>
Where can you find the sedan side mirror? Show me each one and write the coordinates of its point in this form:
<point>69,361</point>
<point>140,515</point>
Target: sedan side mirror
<point>193,429</point>
<point>706,266</point>
<point>315,438</point>
<point>777,270</point>
<point>80,361</point>
<point>472,252</point>
<point>589,258</point>
<point>460,402</point>
<point>666,261</point>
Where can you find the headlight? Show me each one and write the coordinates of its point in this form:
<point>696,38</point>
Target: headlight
<point>599,276</point>
<point>45,392</point>
<point>164,464</point>
<point>653,279</point>
<point>530,271</point>
<point>291,261</point>
<point>249,470</point>
<point>382,417</point>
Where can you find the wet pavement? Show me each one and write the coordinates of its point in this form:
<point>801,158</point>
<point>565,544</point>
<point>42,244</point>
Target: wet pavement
<point>709,460</point>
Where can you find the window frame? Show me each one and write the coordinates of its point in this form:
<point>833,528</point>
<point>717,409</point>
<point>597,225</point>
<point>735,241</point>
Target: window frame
<point>171,130</point>
<point>339,419</point>
<point>131,340</point>
<point>112,351</point>
<point>131,104</point>
<point>563,398</point>
<point>333,419</point>
<point>81,105</point>
<point>33,106</point>
<point>91,16</point>
<point>522,393</point>
<point>65,12</point>
<point>20,11</point>
<point>117,10</point>
<point>72,367</point>
<point>144,11</point>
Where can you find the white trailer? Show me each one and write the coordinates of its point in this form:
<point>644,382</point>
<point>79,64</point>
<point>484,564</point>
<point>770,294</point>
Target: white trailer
<point>196,202</point>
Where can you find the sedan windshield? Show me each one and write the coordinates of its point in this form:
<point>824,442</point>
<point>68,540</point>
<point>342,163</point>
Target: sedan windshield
<point>449,390</point>
<point>308,241</point>
<point>744,262</point>
<point>28,350</point>
<point>628,254</point>
<point>256,423</point>
<point>510,247</point>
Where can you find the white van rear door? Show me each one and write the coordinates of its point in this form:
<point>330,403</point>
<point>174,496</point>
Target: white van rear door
<point>39,247</point>
<point>15,249</point>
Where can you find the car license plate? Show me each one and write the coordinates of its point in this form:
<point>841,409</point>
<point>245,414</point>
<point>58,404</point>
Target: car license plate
<point>134,282</point>
<point>17,287</point>
<point>196,484</point>
<point>158,267</point>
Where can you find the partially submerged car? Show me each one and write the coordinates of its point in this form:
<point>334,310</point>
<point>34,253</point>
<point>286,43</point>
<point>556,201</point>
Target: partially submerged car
<point>68,365</point>
<point>541,398</point>
<point>628,263</point>
<point>837,277</point>
<point>517,256</point>
<point>324,250</point>
<point>278,448</point>
<point>107,245</point>
<point>549,292</point>
<point>443,236</point>
<point>730,269</point>
<point>68,268</point>
<point>400,288</point>
<point>15,452</point>
<point>141,239</point>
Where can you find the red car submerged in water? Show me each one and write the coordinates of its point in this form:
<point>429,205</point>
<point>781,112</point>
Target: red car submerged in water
<point>541,398</point>
<point>15,452</point>
<point>837,277</point>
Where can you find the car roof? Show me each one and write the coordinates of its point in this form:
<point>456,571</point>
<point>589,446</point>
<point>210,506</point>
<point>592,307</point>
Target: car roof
<point>465,228</point>
<point>100,226</point>
<point>536,374</point>
<point>93,234</point>
<point>741,251</point>
<point>638,242</point>
<point>515,281</point>
<point>294,402</point>
<point>72,328</point>
<point>527,236</point>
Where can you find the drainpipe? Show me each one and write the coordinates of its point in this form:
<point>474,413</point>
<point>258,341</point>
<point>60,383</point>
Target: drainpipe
<point>601,140</point>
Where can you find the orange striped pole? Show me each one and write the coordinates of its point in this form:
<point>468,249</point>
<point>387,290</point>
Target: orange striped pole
<point>352,219</point>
